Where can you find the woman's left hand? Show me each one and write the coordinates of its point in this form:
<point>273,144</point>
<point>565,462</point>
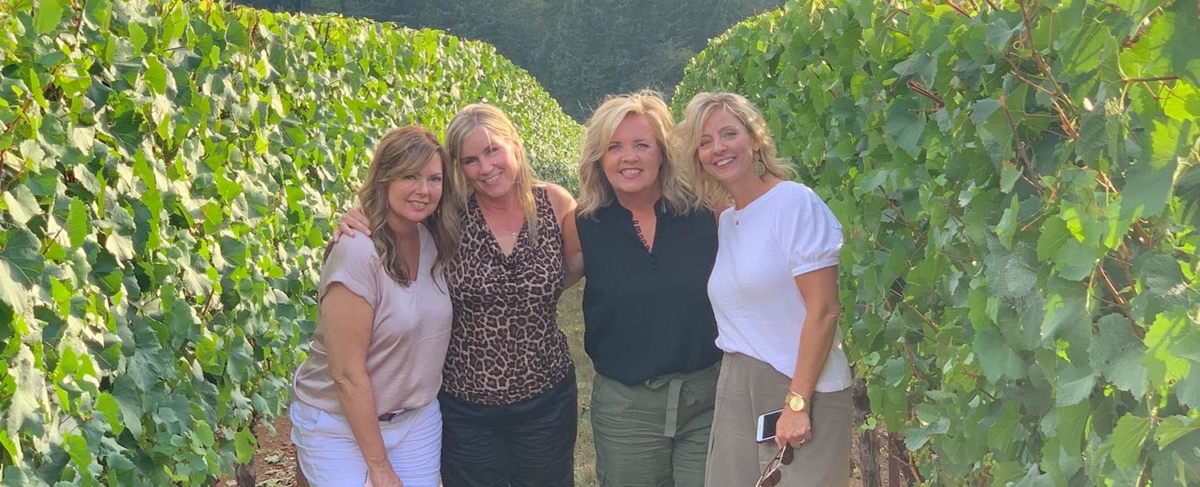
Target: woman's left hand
<point>793,428</point>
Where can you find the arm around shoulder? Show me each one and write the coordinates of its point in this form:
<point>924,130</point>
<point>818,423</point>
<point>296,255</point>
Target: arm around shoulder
<point>562,201</point>
<point>572,249</point>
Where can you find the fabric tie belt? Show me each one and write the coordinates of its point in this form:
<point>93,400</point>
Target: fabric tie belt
<point>675,391</point>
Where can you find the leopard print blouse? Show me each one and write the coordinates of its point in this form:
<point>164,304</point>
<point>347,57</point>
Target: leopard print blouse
<point>505,345</point>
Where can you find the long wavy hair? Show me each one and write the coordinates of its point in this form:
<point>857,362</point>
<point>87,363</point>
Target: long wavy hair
<point>686,139</point>
<point>403,152</point>
<point>482,116</point>
<point>595,191</point>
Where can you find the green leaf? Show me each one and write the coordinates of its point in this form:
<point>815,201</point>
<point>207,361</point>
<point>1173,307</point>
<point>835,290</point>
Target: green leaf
<point>156,75</point>
<point>1187,389</point>
<point>78,227</point>
<point>1128,438</point>
<point>99,12</point>
<point>1071,423</point>
<point>1174,428</point>
<point>1002,435</point>
<point>1164,368</point>
<point>106,404</point>
<point>917,437</point>
<point>204,434</point>
<point>1148,182</point>
<point>1053,235</point>
<point>23,261</point>
<point>45,183</point>
<point>904,127</point>
<point>996,358</point>
<point>1074,261</point>
<point>241,358</point>
<point>128,398</point>
<point>77,448</point>
<point>1181,27</point>
<point>21,204</point>
<point>138,36</point>
<point>1117,354</point>
<point>47,17</point>
<point>1075,384</point>
<point>1066,313</point>
<point>25,414</point>
<point>1089,48</point>
<point>244,444</point>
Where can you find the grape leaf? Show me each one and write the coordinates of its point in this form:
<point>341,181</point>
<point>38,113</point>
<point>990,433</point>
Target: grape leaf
<point>1128,438</point>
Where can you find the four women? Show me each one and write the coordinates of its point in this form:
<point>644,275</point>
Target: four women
<point>647,241</point>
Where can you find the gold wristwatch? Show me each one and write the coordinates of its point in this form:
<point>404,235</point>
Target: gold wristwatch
<point>796,402</point>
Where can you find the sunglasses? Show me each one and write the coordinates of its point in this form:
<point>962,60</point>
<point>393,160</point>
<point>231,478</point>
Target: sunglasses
<point>770,476</point>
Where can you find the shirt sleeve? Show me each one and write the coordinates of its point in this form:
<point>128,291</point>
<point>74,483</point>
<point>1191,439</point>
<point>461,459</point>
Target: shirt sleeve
<point>353,262</point>
<point>809,233</point>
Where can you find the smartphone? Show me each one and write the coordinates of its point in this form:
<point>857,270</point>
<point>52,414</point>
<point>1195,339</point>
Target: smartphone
<point>766,426</point>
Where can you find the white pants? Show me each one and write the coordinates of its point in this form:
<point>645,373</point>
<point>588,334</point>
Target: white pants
<point>329,455</point>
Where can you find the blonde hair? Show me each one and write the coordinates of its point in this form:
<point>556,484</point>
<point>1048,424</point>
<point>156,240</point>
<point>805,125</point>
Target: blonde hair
<point>403,152</point>
<point>595,191</point>
<point>487,117</point>
<point>687,134</point>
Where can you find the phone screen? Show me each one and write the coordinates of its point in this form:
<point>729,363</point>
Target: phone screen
<point>766,425</point>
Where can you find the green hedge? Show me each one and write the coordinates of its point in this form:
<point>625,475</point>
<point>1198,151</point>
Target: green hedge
<point>1019,186</point>
<point>170,173</point>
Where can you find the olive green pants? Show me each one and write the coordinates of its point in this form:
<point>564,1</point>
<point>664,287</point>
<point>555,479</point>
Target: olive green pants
<point>653,434</point>
<point>748,388</point>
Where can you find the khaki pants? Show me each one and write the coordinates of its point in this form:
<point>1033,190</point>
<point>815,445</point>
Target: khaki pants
<point>748,388</point>
<point>653,434</point>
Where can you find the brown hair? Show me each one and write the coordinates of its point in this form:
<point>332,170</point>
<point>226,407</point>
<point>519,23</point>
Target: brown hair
<point>402,152</point>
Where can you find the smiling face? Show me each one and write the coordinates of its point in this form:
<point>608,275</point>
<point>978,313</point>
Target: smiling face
<point>489,163</point>
<point>413,197</point>
<point>632,158</point>
<point>727,148</point>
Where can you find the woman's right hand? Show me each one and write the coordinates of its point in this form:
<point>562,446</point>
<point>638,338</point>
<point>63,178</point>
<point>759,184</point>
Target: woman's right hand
<point>354,220</point>
<point>383,477</point>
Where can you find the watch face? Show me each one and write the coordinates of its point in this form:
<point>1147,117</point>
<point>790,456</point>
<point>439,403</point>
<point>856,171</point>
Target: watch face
<point>796,403</point>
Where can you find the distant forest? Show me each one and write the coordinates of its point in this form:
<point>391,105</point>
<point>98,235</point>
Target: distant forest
<point>579,50</point>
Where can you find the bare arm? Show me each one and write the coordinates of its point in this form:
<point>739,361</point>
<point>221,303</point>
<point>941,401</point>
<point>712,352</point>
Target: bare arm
<point>572,250</point>
<point>819,289</point>
<point>562,201</point>
<point>564,212</point>
<point>351,318</point>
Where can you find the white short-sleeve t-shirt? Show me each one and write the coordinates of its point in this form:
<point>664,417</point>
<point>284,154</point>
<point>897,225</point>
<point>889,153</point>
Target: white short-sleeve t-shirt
<point>409,336</point>
<point>786,232</point>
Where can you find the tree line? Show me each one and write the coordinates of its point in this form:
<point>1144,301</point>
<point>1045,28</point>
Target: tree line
<point>579,50</point>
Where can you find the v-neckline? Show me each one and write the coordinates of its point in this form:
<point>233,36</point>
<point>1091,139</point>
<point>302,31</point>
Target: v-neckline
<point>493,239</point>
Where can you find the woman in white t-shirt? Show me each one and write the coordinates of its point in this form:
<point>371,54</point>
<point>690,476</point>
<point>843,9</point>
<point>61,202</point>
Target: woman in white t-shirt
<point>774,293</point>
<point>364,409</point>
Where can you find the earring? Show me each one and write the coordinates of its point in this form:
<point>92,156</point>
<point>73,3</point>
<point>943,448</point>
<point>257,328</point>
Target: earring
<point>760,167</point>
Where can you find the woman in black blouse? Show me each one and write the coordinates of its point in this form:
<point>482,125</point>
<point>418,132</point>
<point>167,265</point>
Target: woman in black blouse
<point>649,328</point>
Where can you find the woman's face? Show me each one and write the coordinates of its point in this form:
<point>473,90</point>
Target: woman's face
<point>489,163</point>
<point>632,158</point>
<point>726,147</point>
<point>413,197</point>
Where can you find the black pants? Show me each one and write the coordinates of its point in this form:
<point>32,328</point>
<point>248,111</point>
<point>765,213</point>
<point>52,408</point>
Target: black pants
<point>530,443</point>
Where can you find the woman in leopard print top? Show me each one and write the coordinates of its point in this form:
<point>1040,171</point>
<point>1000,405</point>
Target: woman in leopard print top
<point>508,395</point>
<point>506,344</point>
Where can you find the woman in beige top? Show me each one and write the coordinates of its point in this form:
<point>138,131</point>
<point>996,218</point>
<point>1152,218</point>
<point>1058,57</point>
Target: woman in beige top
<point>364,407</point>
